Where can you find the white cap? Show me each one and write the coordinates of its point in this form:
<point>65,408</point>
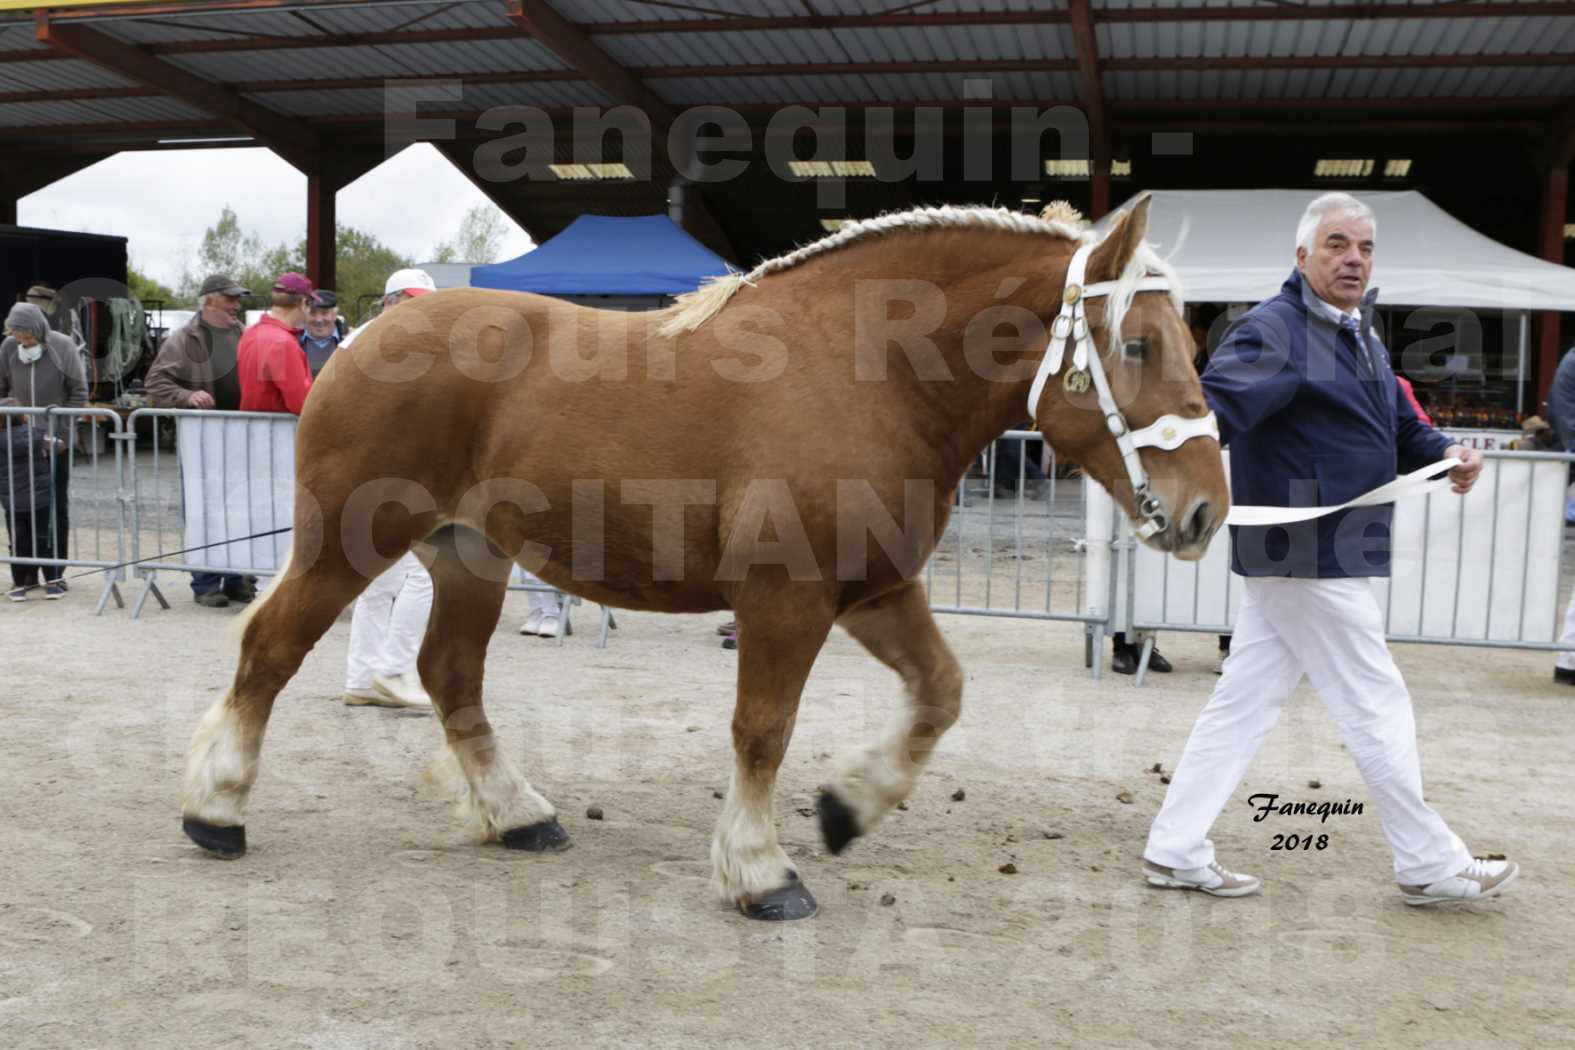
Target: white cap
<point>411,282</point>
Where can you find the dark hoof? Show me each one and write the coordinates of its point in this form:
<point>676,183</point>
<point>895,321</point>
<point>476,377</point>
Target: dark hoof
<point>837,825</point>
<point>548,836</point>
<point>793,901</point>
<point>228,843</point>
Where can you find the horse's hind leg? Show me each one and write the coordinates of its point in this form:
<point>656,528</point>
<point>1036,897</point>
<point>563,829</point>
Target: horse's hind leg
<point>279,630</point>
<point>899,630</point>
<point>467,600</point>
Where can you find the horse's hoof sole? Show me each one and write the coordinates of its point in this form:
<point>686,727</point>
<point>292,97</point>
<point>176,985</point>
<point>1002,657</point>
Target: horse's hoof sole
<point>547,836</point>
<point>837,825</point>
<point>793,901</point>
<point>227,843</point>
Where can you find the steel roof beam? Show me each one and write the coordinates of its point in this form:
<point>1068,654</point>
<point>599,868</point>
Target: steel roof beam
<point>287,137</point>
<point>577,51</point>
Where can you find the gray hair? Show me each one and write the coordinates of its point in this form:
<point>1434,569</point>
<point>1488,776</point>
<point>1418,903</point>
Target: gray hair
<point>1325,206</point>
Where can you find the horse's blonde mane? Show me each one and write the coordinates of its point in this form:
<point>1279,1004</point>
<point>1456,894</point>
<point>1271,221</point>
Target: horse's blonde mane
<point>694,309</point>
<point>1059,219</point>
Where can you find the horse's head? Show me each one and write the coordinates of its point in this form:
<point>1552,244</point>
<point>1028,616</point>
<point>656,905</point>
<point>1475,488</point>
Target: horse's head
<point>1118,394</point>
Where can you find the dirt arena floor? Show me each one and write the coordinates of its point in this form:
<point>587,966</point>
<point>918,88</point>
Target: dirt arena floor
<point>362,920</point>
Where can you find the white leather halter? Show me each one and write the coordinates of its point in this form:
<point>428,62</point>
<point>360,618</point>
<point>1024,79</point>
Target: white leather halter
<point>1167,433</point>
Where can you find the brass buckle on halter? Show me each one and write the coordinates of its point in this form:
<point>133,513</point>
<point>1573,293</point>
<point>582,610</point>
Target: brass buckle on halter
<point>1072,294</point>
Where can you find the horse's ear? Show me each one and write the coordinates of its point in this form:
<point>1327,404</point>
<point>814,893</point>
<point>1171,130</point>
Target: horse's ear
<point>1114,253</point>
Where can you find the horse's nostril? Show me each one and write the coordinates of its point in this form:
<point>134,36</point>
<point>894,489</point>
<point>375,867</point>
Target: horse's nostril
<point>1197,522</point>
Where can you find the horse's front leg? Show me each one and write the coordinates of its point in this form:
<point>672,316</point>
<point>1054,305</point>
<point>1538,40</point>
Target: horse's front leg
<point>777,643</point>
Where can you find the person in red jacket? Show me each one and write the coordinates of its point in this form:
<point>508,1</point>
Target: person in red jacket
<point>269,361</point>
<point>1410,395</point>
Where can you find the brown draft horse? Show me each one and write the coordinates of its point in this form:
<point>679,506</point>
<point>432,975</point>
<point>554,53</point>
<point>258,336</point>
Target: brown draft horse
<point>708,457</point>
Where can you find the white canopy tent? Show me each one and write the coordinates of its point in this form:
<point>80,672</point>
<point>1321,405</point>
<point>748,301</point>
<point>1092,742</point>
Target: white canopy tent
<point>1238,246</point>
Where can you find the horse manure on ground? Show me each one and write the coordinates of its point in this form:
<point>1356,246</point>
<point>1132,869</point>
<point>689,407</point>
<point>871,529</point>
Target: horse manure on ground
<point>959,795</point>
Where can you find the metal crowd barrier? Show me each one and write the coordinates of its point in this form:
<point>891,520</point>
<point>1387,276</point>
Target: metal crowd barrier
<point>239,467</point>
<point>86,504</point>
<point>1503,595</point>
<point>1017,548</point>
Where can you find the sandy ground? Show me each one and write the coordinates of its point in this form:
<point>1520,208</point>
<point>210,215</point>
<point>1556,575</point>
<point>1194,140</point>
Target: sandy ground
<point>362,919</point>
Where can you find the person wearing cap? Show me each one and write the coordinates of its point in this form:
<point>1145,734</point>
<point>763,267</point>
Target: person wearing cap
<point>195,366</point>
<point>41,368</point>
<point>390,617</point>
<point>63,322</point>
<point>401,285</point>
<point>195,369</point>
<point>269,358</point>
<point>322,335</point>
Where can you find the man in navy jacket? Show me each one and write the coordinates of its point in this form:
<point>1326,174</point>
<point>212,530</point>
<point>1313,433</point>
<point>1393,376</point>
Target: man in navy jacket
<point>1313,417</point>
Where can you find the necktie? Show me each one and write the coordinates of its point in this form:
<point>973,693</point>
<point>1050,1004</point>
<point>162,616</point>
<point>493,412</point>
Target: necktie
<point>1354,328</point>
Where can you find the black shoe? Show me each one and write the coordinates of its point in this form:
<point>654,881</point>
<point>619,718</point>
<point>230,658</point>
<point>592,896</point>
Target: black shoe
<point>240,595</point>
<point>1564,674</point>
<point>213,600</point>
<point>1158,663</point>
<point>1124,660</point>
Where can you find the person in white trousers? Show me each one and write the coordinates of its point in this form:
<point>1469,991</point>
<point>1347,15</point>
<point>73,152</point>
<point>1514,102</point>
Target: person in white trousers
<point>390,617</point>
<point>546,610</point>
<point>1561,417</point>
<point>1306,400</point>
<point>386,629</point>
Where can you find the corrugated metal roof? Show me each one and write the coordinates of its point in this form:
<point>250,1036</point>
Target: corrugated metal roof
<point>554,95</point>
<point>65,75</point>
<point>786,47</point>
<point>590,11</point>
<point>373,101</point>
<point>99,111</point>
<point>401,60</point>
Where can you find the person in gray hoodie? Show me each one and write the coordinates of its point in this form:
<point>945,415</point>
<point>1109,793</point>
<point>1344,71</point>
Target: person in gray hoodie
<point>41,369</point>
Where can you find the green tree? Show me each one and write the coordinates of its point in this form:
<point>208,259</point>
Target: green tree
<point>363,265</point>
<point>146,288</point>
<point>479,239</point>
<point>226,249</point>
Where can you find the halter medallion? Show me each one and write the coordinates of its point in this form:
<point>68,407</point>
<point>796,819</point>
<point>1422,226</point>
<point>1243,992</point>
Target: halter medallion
<point>1076,381</point>
<point>1072,294</point>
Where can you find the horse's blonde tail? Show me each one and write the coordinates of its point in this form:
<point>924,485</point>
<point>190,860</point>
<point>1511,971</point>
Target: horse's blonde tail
<point>693,309</point>
<point>238,627</point>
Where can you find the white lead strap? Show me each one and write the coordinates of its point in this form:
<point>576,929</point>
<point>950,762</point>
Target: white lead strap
<point>1415,483</point>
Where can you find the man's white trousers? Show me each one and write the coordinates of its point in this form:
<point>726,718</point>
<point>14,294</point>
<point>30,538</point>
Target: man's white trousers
<point>389,621</point>
<point>1566,660</point>
<point>1332,631</point>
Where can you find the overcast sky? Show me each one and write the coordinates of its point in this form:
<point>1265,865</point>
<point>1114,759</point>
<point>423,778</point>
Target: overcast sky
<point>163,201</point>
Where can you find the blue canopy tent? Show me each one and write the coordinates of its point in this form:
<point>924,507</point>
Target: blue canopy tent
<point>602,260</point>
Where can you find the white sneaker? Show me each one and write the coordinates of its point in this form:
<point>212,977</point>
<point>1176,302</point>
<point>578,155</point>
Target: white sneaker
<point>532,624</point>
<point>549,627</point>
<point>1480,879</point>
<point>401,690</point>
<point>1213,880</point>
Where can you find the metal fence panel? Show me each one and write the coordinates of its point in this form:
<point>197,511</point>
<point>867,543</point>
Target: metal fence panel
<point>86,504</point>
<point>1480,570</point>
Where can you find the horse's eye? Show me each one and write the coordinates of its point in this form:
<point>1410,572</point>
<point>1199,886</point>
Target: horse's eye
<point>1134,349</point>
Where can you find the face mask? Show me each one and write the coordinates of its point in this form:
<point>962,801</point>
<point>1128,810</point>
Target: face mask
<point>30,355</point>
